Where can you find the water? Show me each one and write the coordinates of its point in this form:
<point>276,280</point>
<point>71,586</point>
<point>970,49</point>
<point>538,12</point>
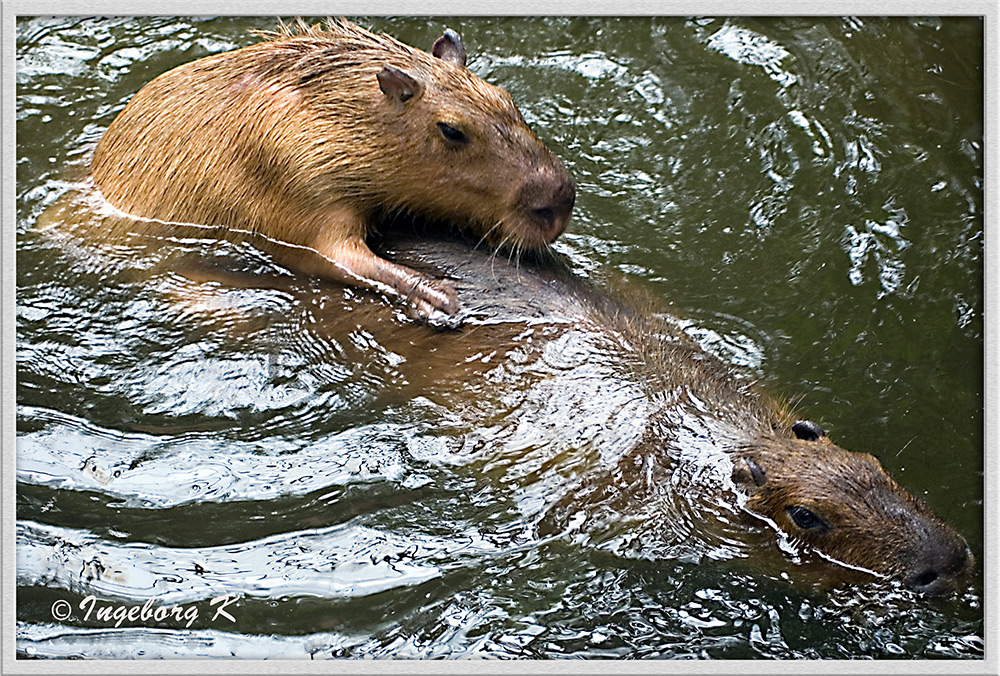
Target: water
<point>806,193</point>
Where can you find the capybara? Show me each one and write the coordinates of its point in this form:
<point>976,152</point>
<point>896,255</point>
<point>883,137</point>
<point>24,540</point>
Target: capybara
<point>847,508</point>
<point>839,504</point>
<point>304,141</point>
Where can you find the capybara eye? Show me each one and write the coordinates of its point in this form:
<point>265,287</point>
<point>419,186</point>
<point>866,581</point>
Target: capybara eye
<point>453,135</point>
<point>805,519</point>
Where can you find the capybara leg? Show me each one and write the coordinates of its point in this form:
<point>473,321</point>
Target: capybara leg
<point>351,261</point>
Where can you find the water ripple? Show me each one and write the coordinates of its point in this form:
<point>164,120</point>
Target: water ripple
<point>346,560</point>
<point>152,471</point>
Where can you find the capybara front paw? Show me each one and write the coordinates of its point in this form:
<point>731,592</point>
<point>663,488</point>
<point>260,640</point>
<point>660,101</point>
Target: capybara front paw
<point>435,302</point>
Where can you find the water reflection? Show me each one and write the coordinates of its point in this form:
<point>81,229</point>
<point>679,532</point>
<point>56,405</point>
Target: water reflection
<point>753,49</point>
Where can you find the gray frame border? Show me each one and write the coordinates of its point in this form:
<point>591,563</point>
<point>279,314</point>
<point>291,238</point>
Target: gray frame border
<point>11,9</point>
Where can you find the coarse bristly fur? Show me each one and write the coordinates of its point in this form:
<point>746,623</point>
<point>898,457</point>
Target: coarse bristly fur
<point>840,504</point>
<point>304,139</point>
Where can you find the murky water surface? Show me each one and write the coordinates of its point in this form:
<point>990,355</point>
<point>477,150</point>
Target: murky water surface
<point>806,193</point>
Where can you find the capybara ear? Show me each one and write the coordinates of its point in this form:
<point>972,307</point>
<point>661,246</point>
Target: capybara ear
<point>757,472</point>
<point>399,85</point>
<point>449,48</point>
<point>749,471</point>
<point>807,430</point>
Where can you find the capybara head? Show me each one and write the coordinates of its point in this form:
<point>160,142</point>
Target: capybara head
<point>438,140</point>
<point>845,507</point>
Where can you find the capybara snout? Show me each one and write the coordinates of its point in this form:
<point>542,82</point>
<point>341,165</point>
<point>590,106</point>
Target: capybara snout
<point>941,562</point>
<point>546,202</point>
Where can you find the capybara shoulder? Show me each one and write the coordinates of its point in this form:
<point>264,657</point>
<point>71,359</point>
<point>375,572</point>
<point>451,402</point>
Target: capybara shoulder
<point>304,140</point>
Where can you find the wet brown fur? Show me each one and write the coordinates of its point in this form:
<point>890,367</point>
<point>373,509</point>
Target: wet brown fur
<point>868,521</point>
<point>293,140</point>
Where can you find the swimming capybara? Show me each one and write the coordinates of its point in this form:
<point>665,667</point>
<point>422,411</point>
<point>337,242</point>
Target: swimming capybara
<point>847,508</point>
<point>785,472</point>
<point>303,141</point>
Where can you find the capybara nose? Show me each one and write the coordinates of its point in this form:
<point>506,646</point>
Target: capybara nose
<point>548,202</point>
<point>944,567</point>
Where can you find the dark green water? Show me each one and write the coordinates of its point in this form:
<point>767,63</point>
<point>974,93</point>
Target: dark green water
<point>808,193</point>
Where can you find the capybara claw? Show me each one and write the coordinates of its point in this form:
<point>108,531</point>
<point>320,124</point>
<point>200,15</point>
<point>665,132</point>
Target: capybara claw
<point>435,303</point>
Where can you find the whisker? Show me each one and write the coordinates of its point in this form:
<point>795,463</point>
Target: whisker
<point>489,232</point>
<point>496,250</point>
<point>510,250</point>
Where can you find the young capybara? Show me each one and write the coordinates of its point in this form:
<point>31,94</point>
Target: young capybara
<point>839,504</point>
<point>302,141</point>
